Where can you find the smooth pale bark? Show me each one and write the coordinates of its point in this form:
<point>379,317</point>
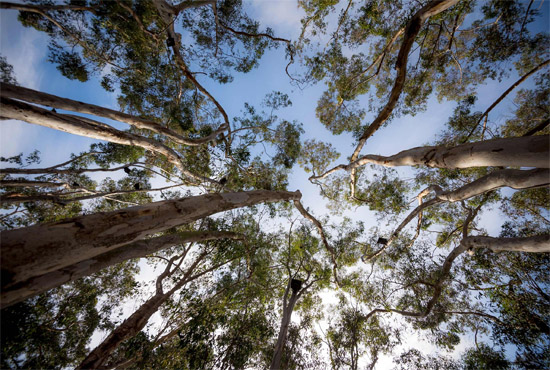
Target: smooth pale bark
<point>516,179</point>
<point>283,330</point>
<point>528,151</point>
<point>36,250</point>
<point>411,31</point>
<point>139,249</point>
<point>21,111</point>
<point>37,97</point>
<point>534,244</point>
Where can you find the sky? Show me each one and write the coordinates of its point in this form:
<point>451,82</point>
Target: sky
<point>26,49</point>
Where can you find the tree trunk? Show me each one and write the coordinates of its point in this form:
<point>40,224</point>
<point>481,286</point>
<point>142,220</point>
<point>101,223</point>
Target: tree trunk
<point>17,110</point>
<point>36,250</point>
<point>138,249</point>
<point>528,151</point>
<point>133,324</point>
<point>281,339</point>
<point>515,179</point>
<point>534,244</point>
<point>128,329</point>
<point>37,97</point>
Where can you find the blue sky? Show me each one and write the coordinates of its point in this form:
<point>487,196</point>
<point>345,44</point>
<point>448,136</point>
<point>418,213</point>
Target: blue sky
<point>26,50</point>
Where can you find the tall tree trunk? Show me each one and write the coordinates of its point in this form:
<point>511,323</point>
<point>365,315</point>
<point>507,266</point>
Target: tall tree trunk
<point>37,97</point>
<point>36,250</point>
<point>528,151</point>
<point>283,330</point>
<point>82,126</point>
<point>533,244</point>
<point>138,249</point>
<point>133,324</point>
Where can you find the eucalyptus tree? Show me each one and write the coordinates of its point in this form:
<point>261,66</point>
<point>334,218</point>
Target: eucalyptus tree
<point>432,266</point>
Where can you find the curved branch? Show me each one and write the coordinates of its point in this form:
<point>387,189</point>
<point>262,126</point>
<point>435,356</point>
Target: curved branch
<point>18,110</point>
<point>167,12</point>
<point>516,179</point>
<point>412,29</point>
<point>57,198</point>
<point>329,248</point>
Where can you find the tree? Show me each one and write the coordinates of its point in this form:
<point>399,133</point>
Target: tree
<point>236,285</point>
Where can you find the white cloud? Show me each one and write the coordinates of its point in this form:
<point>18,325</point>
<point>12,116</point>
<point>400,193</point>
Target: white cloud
<point>283,16</point>
<point>24,49</point>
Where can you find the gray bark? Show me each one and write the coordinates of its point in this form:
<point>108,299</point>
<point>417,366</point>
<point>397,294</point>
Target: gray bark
<point>138,249</point>
<point>36,250</point>
<point>283,330</point>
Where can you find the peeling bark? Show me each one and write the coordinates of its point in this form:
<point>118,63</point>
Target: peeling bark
<point>138,249</point>
<point>36,250</point>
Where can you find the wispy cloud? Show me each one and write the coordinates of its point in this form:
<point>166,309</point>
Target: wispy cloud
<point>283,16</point>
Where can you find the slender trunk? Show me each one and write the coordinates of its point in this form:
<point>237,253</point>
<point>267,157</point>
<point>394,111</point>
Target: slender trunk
<point>133,324</point>
<point>516,179</point>
<point>529,151</point>
<point>139,249</point>
<point>533,244</point>
<point>281,339</point>
<point>14,109</point>
<point>36,250</point>
<point>32,183</point>
<point>128,329</point>
<point>37,97</point>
